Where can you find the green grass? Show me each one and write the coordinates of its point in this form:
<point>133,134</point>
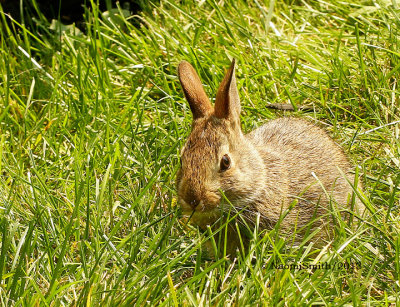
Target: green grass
<point>91,127</point>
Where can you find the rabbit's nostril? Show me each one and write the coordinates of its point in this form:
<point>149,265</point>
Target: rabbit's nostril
<point>192,197</point>
<point>194,203</point>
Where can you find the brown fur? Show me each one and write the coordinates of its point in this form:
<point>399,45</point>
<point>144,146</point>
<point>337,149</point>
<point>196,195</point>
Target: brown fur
<point>286,161</point>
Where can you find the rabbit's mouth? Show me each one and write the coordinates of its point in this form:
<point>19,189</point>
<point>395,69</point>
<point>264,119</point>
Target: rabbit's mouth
<point>202,218</point>
<point>201,207</point>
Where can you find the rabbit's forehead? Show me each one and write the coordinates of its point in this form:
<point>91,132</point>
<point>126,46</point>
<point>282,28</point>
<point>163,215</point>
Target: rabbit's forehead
<point>205,141</point>
<point>201,144</point>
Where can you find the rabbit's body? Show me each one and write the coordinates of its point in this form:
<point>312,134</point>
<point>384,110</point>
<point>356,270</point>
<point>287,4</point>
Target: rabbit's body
<point>285,162</point>
<point>307,166</point>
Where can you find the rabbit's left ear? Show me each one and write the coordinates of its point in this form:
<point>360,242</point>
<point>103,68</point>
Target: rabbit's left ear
<point>194,91</point>
<point>227,102</point>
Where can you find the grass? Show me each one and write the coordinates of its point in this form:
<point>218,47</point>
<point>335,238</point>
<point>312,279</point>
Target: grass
<point>91,127</point>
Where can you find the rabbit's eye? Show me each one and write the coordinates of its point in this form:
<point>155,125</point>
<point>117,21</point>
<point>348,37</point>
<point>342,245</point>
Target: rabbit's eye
<point>225,163</point>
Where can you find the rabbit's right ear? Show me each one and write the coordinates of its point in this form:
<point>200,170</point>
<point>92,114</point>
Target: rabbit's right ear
<point>227,102</point>
<point>194,92</point>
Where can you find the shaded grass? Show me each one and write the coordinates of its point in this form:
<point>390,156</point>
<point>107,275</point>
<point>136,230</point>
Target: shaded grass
<point>91,129</point>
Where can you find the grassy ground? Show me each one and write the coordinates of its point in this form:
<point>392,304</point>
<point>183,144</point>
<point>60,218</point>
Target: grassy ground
<point>91,126</point>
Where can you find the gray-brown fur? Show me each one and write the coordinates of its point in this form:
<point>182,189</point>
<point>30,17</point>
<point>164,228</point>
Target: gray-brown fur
<point>285,160</point>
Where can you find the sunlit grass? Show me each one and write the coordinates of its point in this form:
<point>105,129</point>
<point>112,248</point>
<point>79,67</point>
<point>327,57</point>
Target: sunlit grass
<point>91,127</point>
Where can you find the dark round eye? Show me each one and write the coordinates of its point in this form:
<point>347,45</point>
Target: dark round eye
<point>225,163</point>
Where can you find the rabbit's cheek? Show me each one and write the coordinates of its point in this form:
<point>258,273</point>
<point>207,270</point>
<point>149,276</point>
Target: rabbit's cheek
<point>212,201</point>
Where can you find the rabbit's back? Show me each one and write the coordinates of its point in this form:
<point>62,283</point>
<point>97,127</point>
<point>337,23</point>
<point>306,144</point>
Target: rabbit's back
<point>302,145</point>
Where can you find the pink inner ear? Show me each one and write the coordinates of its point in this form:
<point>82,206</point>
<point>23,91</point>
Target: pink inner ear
<point>194,91</point>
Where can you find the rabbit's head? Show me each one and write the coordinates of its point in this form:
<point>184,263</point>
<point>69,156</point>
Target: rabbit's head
<point>216,157</point>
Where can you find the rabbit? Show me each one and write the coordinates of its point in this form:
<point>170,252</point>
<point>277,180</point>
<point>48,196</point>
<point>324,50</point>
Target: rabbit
<point>287,163</point>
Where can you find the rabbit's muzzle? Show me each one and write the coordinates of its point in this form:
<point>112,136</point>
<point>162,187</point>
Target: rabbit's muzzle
<point>192,197</point>
<point>197,199</point>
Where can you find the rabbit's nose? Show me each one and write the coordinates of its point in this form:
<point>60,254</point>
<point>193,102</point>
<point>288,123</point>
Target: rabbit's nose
<point>192,198</point>
<point>194,203</point>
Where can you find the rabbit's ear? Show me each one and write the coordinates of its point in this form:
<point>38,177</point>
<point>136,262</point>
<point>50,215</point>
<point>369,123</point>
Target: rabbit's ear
<point>194,92</point>
<point>227,102</point>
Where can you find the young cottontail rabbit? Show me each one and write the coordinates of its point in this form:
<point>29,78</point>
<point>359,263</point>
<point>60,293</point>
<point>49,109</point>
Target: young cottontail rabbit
<point>287,161</point>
